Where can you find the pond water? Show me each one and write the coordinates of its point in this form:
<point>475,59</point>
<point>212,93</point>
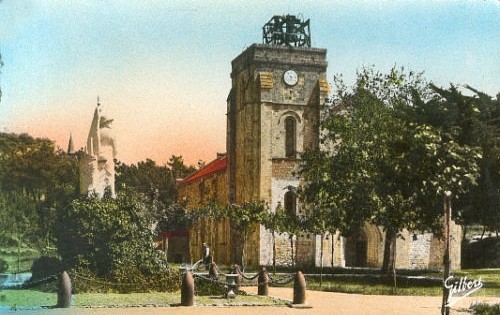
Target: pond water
<point>10,280</point>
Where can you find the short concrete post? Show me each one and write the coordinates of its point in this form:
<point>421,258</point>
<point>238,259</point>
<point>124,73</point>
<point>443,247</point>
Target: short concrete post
<point>239,279</point>
<point>299,289</point>
<point>212,271</point>
<point>187,290</point>
<point>64,291</point>
<point>263,282</point>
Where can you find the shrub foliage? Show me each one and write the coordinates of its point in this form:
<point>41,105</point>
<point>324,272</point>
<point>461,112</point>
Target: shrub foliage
<point>45,266</point>
<point>125,281</point>
<point>109,235</point>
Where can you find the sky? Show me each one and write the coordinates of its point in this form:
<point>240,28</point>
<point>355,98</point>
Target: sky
<point>161,69</point>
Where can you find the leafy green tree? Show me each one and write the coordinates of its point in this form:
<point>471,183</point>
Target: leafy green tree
<point>244,219</point>
<point>292,225</point>
<point>210,215</point>
<point>175,217</point>
<point>18,219</point>
<point>178,168</point>
<point>18,222</point>
<point>381,165</point>
<point>157,183</point>
<point>275,221</point>
<point>321,220</point>
<point>147,178</point>
<point>470,120</point>
<point>27,164</point>
<point>35,169</point>
<point>108,235</point>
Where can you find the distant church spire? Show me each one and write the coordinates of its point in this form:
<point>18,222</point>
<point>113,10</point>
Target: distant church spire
<point>71,147</point>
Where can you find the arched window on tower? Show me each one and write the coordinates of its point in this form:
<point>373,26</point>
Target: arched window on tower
<point>290,203</point>
<point>290,137</point>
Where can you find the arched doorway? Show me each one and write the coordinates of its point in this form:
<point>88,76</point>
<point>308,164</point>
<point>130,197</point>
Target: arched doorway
<point>356,249</point>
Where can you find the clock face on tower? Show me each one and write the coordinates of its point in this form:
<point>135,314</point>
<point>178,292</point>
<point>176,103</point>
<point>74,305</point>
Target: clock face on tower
<point>290,77</point>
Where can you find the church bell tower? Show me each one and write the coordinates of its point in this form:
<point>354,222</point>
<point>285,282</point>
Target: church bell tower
<point>273,113</point>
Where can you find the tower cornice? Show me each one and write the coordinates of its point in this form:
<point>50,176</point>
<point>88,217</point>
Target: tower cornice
<point>271,56</point>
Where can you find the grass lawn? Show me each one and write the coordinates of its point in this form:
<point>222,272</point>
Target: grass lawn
<point>381,285</point>
<point>490,278</point>
<point>22,298</point>
<point>32,298</point>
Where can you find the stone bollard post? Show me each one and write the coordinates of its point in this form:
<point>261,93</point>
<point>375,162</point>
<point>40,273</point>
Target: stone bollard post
<point>263,282</point>
<point>187,290</point>
<point>299,289</point>
<point>212,271</point>
<point>64,291</point>
<point>237,270</point>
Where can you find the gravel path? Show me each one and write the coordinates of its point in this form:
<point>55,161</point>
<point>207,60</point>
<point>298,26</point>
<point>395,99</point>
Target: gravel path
<point>320,303</point>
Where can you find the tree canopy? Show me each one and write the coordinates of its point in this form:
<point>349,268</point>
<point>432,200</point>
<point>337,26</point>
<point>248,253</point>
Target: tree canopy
<point>36,179</point>
<point>41,207</point>
<point>382,163</point>
<point>474,121</point>
<point>108,235</point>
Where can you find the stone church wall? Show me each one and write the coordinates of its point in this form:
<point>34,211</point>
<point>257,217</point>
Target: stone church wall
<point>420,251</point>
<point>438,246</point>
<point>216,234</point>
<point>338,253</point>
<point>402,250</point>
<point>283,250</point>
<point>414,250</point>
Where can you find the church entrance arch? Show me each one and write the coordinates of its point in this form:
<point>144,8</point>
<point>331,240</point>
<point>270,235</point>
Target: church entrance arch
<point>364,247</point>
<point>356,249</point>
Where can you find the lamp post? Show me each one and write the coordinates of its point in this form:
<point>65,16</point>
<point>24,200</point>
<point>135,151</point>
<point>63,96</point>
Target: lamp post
<point>445,309</point>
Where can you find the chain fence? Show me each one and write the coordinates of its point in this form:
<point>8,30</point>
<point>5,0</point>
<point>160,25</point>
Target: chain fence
<point>244,280</point>
<point>51,279</point>
<point>74,275</point>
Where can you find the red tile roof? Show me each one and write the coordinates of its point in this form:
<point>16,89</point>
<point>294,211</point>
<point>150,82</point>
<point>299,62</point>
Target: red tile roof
<point>216,166</point>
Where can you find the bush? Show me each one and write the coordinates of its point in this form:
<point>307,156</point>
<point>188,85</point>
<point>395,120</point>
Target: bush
<point>203,286</point>
<point>45,273</point>
<point>126,281</point>
<point>481,254</point>
<point>132,280</point>
<point>108,235</point>
<point>44,267</point>
<point>486,309</point>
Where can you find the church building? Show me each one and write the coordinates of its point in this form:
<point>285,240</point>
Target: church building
<point>274,110</point>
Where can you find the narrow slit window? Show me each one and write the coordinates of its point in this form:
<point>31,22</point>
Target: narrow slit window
<point>290,137</point>
<point>290,203</point>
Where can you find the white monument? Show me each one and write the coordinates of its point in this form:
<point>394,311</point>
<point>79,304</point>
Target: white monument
<point>97,167</point>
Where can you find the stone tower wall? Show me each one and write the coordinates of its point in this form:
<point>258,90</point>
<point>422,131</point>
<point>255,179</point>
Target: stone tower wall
<point>259,103</point>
